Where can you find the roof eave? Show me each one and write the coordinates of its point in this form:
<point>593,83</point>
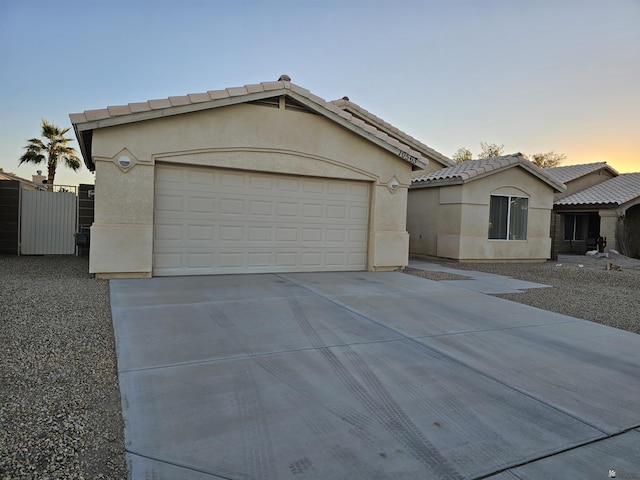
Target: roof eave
<point>85,148</point>
<point>445,182</point>
<point>587,205</point>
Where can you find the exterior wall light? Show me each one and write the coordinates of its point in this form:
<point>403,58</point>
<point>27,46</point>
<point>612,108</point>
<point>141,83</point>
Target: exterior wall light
<point>124,161</point>
<point>393,185</point>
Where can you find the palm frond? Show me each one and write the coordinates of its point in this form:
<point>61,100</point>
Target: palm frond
<point>31,156</point>
<point>52,148</point>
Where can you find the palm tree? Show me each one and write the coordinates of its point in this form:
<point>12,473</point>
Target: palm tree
<point>53,150</point>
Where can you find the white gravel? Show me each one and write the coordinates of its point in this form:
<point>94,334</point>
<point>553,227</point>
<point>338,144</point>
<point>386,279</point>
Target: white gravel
<point>59,399</point>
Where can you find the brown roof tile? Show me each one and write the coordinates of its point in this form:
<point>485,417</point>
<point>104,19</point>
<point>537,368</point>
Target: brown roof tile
<point>255,88</point>
<point>177,101</point>
<point>119,110</point>
<point>138,107</point>
<point>237,91</point>
<point>272,85</point>
<point>199,97</point>
<point>77,118</point>
<point>159,103</point>
<point>100,114</point>
<point>216,94</point>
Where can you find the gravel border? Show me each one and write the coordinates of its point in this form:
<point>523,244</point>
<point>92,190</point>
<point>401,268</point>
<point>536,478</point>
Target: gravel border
<point>60,402</point>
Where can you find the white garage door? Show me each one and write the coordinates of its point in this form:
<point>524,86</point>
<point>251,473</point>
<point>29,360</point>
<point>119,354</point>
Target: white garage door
<point>210,221</point>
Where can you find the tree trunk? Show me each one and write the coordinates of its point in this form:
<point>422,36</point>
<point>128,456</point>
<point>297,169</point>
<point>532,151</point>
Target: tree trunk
<point>51,176</point>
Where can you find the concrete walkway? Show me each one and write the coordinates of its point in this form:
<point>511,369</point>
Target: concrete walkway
<point>478,281</point>
<point>367,375</point>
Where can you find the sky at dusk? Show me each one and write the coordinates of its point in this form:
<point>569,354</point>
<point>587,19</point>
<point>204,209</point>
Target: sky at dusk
<point>534,75</point>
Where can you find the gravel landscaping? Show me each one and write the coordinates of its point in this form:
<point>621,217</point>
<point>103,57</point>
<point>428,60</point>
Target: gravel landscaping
<point>60,402</point>
<point>59,397</point>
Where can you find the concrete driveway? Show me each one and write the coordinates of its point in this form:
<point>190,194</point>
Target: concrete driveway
<point>367,376</point>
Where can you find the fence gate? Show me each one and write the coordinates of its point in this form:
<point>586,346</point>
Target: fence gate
<point>48,222</point>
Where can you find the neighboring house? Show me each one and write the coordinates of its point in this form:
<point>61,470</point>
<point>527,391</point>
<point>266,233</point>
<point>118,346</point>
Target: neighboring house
<point>577,231</point>
<point>601,203</point>
<point>260,178</point>
<point>495,209</point>
<point>35,184</point>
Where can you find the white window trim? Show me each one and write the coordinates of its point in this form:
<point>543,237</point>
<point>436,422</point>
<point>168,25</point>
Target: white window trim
<point>509,217</point>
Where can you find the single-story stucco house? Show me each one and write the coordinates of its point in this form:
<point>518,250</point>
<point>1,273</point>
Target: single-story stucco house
<point>260,178</point>
<point>598,202</point>
<point>494,209</point>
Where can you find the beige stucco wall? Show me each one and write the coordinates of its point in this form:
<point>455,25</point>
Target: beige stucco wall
<point>247,137</point>
<point>433,212</point>
<point>452,221</point>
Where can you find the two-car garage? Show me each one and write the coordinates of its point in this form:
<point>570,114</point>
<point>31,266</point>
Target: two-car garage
<point>210,221</point>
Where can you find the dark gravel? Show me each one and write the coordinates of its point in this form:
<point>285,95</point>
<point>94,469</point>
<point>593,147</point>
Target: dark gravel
<point>59,398</point>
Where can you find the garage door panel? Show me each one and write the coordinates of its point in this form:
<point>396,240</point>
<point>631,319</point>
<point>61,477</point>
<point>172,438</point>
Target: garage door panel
<point>233,180</point>
<point>219,221</point>
<point>261,208</point>
<point>169,203</point>
<point>287,209</point>
<point>287,234</point>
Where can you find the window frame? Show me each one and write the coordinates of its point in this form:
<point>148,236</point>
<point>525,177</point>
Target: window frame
<point>584,231</point>
<point>508,218</point>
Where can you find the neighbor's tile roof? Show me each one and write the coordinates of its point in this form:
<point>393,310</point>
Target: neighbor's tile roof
<point>472,169</point>
<point>89,120</point>
<point>346,104</point>
<point>571,172</point>
<point>615,191</point>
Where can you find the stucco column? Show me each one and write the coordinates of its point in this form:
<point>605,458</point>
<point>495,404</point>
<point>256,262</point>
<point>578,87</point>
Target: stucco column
<point>122,231</point>
<point>389,244</point>
<point>608,227</point>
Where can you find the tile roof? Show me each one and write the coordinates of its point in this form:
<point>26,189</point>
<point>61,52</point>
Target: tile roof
<point>368,117</point>
<point>572,172</point>
<point>615,191</point>
<point>85,122</point>
<point>474,169</point>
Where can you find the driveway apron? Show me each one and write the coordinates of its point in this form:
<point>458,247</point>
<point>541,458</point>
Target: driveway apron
<point>366,375</point>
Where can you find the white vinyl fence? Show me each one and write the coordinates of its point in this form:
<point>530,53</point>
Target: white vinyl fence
<point>48,222</point>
